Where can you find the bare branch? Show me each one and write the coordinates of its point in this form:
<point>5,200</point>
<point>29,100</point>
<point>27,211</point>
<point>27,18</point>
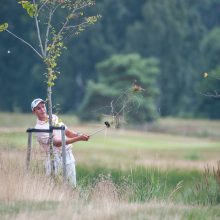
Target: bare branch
<point>47,33</point>
<point>64,26</point>
<point>213,94</point>
<point>67,19</point>
<point>72,29</point>
<point>41,7</point>
<point>38,31</point>
<point>83,6</point>
<point>76,26</point>
<point>25,42</point>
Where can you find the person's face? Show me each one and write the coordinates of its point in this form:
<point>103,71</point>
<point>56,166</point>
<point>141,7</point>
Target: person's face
<point>40,111</point>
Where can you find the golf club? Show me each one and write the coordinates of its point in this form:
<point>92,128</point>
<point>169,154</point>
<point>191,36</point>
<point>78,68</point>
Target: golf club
<point>107,125</point>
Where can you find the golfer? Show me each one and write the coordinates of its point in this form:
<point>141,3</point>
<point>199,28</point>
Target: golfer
<point>39,109</point>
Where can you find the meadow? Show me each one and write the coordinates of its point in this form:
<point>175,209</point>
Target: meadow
<point>166,170</point>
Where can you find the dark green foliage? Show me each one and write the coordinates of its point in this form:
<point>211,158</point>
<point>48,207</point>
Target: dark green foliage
<point>182,34</point>
<point>126,87</point>
<point>177,32</point>
<point>211,47</point>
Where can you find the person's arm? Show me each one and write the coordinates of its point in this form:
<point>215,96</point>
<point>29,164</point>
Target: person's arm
<point>69,140</point>
<point>71,134</point>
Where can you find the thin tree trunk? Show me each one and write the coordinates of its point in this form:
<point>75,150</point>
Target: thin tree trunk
<point>49,94</point>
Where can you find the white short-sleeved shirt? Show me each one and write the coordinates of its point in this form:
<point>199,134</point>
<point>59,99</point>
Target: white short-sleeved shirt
<point>43,137</point>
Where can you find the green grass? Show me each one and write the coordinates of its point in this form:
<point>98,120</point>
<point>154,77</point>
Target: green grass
<point>17,207</point>
<point>13,120</point>
<point>117,139</point>
<point>18,120</point>
<point>150,141</point>
<point>187,127</point>
<point>193,155</point>
<point>190,187</point>
<point>172,212</point>
<point>13,140</point>
<point>202,213</point>
<point>131,211</point>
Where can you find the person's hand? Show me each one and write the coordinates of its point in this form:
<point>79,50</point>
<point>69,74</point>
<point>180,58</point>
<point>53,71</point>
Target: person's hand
<point>84,137</point>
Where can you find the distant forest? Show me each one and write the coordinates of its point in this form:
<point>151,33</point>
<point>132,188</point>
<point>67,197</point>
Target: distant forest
<point>183,35</point>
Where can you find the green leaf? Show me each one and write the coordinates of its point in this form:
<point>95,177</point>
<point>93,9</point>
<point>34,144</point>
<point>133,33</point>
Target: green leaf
<point>3,27</point>
<point>30,8</point>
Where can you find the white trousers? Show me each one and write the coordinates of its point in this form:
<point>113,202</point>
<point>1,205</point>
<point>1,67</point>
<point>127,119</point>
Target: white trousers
<point>70,166</point>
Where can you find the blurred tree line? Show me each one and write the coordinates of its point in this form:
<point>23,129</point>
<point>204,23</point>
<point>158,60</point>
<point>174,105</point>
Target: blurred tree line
<point>182,35</point>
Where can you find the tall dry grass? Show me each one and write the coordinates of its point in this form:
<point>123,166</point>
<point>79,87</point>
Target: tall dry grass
<point>23,191</point>
<point>18,185</point>
<point>207,190</point>
<point>21,194</point>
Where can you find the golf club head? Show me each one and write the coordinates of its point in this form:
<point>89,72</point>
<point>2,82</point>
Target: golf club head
<point>107,124</point>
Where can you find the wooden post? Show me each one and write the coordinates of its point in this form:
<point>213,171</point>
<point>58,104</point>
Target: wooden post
<point>64,153</point>
<point>29,147</point>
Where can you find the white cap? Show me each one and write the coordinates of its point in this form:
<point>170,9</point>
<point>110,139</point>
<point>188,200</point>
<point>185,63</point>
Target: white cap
<point>35,102</point>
